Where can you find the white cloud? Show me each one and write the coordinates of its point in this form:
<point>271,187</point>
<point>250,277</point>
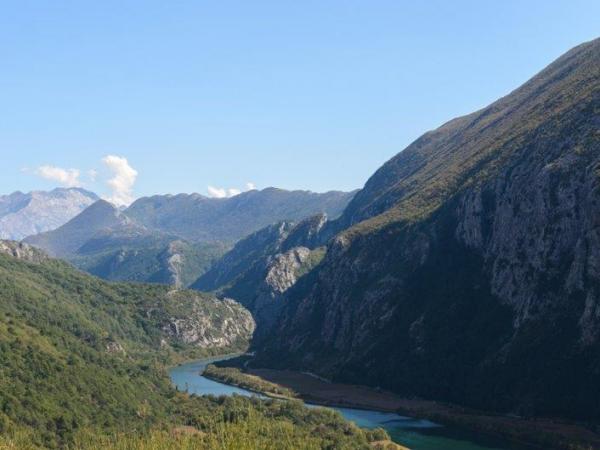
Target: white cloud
<point>122,181</point>
<point>217,192</point>
<point>65,177</point>
<point>214,192</point>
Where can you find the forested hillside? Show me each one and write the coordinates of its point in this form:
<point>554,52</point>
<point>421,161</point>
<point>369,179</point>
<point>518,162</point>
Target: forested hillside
<point>84,364</point>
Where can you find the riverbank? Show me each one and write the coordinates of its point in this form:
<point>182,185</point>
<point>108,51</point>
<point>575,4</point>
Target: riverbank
<point>233,376</point>
<point>537,433</point>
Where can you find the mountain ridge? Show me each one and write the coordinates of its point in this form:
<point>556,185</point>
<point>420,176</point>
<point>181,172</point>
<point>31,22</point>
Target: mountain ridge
<point>173,239</point>
<point>199,218</point>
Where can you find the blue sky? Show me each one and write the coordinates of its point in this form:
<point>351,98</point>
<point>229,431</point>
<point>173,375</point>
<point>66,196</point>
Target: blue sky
<point>300,95</point>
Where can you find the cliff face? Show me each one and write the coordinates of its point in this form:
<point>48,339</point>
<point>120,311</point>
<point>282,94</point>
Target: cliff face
<point>209,323</point>
<point>468,268</point>
<point>260,269</point>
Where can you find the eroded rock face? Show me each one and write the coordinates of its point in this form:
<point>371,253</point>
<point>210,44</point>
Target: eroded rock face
<point>537,228</point>
<point>283,269</point>
<point>263,266</point>
<point>175,261</point>
<point>282,272</point>
<point>212,323</point>
<point>22,251</point>
<point>241,260</point>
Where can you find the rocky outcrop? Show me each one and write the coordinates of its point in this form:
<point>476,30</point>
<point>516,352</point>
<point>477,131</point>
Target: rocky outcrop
<point>308,233</point>
<point>283,269</point>
<point>262,267</point>
<point>210,323</point>
<point>282,272</point>
<point>115,348</point>
<point>245,259</point>
<point>174,260</point>
<point>36,212</point>
<point>22,251</point>
<point>467,269</point>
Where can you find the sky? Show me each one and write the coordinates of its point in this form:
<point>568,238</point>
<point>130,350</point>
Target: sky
<point>134,98</point>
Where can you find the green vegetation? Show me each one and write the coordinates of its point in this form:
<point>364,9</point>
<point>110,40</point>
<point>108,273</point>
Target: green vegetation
<point>149,260</point>
<point>235,377</point>
<point>225,423</point>
<point>84,367</point>
<point>78,352</point>
<point>313,260</point>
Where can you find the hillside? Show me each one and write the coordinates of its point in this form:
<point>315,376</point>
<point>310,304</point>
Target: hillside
<point>39,211</point>
<point>83,364</point>
<point>165,260</point>
<point>466,270</point>
<point>76,350</point>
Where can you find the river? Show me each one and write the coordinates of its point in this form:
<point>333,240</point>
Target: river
<point>415,434</point>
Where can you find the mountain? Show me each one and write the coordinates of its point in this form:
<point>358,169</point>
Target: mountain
<point>104,241</point>
<point>467,269</point>
<point>197,218</point>
<point>68,238</point>
<point>174,239</point>
<point>38,211</point>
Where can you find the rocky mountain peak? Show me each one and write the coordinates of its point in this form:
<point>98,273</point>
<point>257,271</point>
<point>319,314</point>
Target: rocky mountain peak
<point>39,211</point>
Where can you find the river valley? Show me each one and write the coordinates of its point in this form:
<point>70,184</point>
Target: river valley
<point>413,433</point>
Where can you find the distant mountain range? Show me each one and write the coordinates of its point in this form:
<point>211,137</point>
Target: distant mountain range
<point>38,211</point>
<point>174,239</point>
<point>198,218</point>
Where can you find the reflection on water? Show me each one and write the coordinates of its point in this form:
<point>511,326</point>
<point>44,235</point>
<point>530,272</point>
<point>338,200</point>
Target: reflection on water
<point>187,378</point>
<point>416,434</point>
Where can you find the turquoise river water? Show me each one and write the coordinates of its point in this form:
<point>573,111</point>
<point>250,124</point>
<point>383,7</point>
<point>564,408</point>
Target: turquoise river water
<point>415,434</point>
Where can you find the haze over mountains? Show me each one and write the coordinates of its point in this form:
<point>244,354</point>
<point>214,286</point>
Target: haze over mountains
<point>174,239</point>
<point>35,212</point>
<point>198,218</point>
